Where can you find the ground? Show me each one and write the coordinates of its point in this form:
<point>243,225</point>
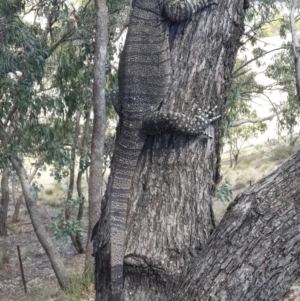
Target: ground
<point>40,279</point>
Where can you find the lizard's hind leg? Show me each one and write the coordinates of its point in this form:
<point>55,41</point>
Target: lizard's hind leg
<point>159,122</point>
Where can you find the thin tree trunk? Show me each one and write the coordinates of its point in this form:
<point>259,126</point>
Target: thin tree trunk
<point>87,176</point>
<point>18,204</point>
<point>15,216</point>
<point>3,216</point>
<point>4,202</point>
<point>76,242</point>
<point>295,43</point>
<point>3,252</point>
<point>83,153</point>
<point>72,166</point>
<point>99,125</point>
<point>39,228</point>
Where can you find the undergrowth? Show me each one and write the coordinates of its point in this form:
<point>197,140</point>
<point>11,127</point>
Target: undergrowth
<point>81,289</point>
<point>52,196</point>
<point>255,163</point>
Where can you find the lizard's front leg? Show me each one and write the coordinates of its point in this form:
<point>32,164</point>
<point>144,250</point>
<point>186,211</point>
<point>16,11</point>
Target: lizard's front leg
<point>158,122</point>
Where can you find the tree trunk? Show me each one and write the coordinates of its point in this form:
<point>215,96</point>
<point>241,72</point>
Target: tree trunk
<point>72,166</point>
<point>15,216</point>
<point>295,44</point>
<point>4,202</point>
<point>170,216</point>
<point>20,197</point>
<point>76,240</point>
<point>83,153</point>
<point>99,125</point>
<point>254,252</point>
<point>41,233</point>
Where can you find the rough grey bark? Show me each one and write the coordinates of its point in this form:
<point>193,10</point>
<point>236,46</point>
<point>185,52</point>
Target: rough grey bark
<point>170,211</point>
<point>254,252</point>
<point>39,228</point>
<point>170,216</point>
<point>4,202</point>
<point>99,124</point>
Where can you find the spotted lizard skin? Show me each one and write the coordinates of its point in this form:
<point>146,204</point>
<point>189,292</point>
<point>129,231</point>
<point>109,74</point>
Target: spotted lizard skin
<point>144,77</point>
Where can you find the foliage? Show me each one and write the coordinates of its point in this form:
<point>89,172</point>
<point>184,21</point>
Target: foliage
<point>64,228</point>
<point>241,134</point>
<point>224,193</point>
<point>280,150</point>
<point>264,18</point>
<point>53,196</point>
<point>259,14</point>
<point>279,25</point>
<point>282,70</point>
<point>244,87</point>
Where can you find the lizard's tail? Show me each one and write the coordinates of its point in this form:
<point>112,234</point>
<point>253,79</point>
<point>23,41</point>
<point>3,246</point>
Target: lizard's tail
<point>126,157</point>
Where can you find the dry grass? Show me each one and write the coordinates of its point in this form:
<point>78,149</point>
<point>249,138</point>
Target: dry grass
<point>82,289</point>
<point>255,163</point>
<point>53,196</point>
<point>4,259</point>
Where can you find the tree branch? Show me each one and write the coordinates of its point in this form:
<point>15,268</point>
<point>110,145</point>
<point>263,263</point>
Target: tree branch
<point>254,252</point>
<point>255,58</point>
<point>10,114</point>
<point>63,39</point>
<point>256,120</point>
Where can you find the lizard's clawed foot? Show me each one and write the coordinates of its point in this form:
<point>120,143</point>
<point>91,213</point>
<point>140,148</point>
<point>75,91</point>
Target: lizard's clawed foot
<point>207,115</point>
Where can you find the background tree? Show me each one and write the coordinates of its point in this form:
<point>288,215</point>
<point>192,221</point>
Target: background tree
<point>24,51</point>
<point>97,151</point>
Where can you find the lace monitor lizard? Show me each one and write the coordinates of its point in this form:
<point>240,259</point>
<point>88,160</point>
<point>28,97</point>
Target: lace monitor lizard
<point>144,77</point>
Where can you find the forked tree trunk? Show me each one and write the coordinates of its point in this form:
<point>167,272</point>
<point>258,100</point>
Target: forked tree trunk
<point>39,228</point>
<point>170,216</point>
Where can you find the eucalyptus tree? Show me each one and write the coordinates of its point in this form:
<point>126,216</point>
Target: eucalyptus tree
<point>32,113</point>
<point>73,80</point>
<point>294,15</point>
<point>264,18</point>
<point>283,71</point>
<point>23,56</point>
